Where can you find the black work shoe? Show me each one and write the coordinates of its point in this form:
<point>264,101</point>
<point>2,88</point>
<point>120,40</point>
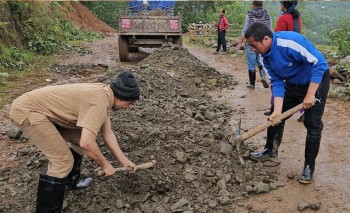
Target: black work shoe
<point>307,176</point>
<point>252,87</point>
<point>265,154</point>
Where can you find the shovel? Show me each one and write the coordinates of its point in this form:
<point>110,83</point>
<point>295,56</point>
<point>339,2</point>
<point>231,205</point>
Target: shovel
<point>127,169</point>
<point>239,139</point>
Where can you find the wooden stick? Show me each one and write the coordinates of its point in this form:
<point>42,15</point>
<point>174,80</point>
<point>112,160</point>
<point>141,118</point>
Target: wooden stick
<point>240,138</point>
<point>264,126</point>
<point>127,169</point>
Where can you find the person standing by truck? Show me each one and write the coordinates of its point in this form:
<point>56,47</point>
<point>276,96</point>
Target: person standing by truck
<point>261,15</point>
<point>222,26</point>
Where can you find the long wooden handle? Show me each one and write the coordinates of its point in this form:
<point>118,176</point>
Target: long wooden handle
<point>264,126</point>
<point>127,169</point>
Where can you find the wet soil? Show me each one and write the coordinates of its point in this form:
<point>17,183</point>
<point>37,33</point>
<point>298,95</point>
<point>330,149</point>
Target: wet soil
<point>191,102</point>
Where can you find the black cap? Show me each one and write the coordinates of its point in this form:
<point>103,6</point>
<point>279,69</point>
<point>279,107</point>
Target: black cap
<point>125,87</point>
<point>289,3</point>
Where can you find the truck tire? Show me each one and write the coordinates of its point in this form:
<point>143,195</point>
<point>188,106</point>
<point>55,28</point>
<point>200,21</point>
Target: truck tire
<point>123,49</point>
<point>133,49</point>
<point>178,40</point>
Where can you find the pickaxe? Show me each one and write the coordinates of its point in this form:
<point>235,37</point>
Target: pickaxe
<point>239,139</point>
<point>126,169</point>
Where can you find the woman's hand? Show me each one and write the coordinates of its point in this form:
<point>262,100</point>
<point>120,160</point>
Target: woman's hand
<point>129,164</point>
<point>109,170</point>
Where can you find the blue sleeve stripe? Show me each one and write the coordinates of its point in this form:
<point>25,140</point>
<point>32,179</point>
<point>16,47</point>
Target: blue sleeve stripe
<point>298,48</point>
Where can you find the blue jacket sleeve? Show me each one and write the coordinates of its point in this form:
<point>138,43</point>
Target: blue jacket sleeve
<point>304,52</point>
<point>276,82</point>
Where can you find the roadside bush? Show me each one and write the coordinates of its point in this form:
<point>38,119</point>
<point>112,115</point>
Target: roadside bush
<point>40,28</point>
<point>341,38</point>
<point>14,58</point>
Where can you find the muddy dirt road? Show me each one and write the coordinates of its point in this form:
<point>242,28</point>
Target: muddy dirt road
<point>331,185</point>
<point>184,121</point>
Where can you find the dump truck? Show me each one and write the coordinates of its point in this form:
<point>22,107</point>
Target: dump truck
<point>149,24</point>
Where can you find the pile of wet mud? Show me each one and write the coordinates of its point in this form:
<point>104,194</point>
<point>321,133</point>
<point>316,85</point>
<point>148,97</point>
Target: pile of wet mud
<point>175,123</point>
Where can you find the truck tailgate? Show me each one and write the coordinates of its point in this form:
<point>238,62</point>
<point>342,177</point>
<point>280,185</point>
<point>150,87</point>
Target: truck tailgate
<point>149,24</point>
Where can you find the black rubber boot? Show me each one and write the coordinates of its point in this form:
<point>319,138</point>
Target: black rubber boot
<point>278,139</point>
<point>273,141</point>
<point>50,194</point>
<point>73,182</point>
<point>74,175</point>
<point>252,78</point>
<point>311,151</point>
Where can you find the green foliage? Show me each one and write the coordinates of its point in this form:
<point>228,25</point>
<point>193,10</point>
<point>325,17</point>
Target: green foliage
<point>341,38</point>
<point>207,12</point>
<point>43,30</point>
<point>14,58</point>
<point>108,11</point>
<point>72,33</point>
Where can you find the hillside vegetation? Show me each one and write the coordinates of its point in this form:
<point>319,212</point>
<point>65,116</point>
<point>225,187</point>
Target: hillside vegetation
<point>32,29</point>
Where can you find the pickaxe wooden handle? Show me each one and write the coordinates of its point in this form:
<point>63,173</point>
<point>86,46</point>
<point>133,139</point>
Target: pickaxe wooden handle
<point>238,140</point>
<point>266,125</point>
<point>126,169</point>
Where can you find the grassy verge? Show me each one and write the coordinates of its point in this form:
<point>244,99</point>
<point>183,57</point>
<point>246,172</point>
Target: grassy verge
<point>18,82</point>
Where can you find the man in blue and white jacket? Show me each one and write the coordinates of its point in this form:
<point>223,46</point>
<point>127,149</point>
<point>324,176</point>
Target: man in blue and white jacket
<point>299,74</point>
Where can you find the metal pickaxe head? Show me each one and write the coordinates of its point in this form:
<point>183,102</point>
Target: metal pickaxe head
<point>238,141</point>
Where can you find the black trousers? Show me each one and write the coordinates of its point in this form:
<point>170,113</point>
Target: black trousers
<point>221,41</point>
<point>295,95</point>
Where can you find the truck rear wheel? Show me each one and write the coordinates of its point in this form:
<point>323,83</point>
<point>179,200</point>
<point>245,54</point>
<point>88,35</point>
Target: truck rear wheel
<point>133,49</point>
<point>178,40</point>
<point>123,49</point>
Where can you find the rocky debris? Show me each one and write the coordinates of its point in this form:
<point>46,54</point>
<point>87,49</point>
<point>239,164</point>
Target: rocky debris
<point>340,70</point>
<point>15,133</point>
<point>303,206</point>
<point>316,205</point>
<point>179,204</point>
<point>119,204</point>
<point>180,63</point>
<point>290,175</point>
<point>225,148</point>
<point>83,70</point>
<point>277,184</point>
<point>181,156</point>
<point>261,188</point>
<point>151,13</point>
<point>162,126</point>
<point>271,163</point>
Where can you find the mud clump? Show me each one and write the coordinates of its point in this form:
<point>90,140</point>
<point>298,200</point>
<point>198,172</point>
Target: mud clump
<point>175,123</point>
